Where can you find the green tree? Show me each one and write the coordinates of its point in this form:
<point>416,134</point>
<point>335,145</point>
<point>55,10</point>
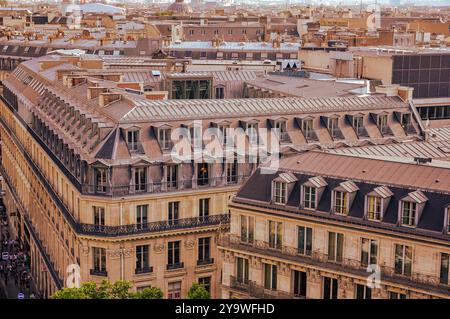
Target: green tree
<point>149,293</point>
<point>197,291</point>
<point>105,290</point>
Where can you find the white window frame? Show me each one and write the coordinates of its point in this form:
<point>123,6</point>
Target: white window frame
<point>304,195</point>
<point>335,197</point>
<point>279,193</point>
<point>164,137</point>
<point>413,211</point>
<point>133,145</point>
<point>377,199</point>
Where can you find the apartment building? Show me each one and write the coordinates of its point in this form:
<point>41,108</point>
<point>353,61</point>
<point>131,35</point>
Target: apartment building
<point>91,179</point>
<point>330,226</point>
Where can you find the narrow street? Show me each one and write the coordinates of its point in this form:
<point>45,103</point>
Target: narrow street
<point>14,264</point>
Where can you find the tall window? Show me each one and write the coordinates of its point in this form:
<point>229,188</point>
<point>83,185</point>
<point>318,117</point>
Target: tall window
<point>335,246</point>
<point>174,290</point>
<point>142,258</point>
<point>304,240</point>
<point>195,135</point>
<point>281,130</point>
<point>374,208</point>
<point>173,253</point>
<point>309,197</point>
<point>204,249</point>
<point>330,288</point>
<point>279,192</point>
<point>242,270</point>
<point>203,207</point>
<point>99,255</point>
<point>252,132</point>
<point>270,277</point>
<point>173,212</point>
<point>205,282</point>
<point>99,216</point>
<point>133,140</point>
<point>142,215</point>
<point>232,171</point>
<point>247,226</point>
<point>403,259</point>
<point>202,174</point>
<point>299,278</point>
<point>307,128</point>
<point>220,92</point>
<point>340,202</point>
<point>369,251</point>
<point>100,179</point>
<point>358,125</point>
<point>409,211</point>
<point>333,126</point>
<point>275,234</point>
<point>444,273</point>
<point>224,133</point>
<point>363,292</point>
<point>140,179</point>
<point>172,176</point>
<point>383,123</point>
<point>165,139</point>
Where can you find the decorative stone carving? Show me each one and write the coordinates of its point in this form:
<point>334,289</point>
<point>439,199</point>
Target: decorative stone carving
<point>189,244</point>
<point>284,269</point>
<point>256,263</point>
<point>314,276</point>
<point>84,250</point>
<point>158,248</point>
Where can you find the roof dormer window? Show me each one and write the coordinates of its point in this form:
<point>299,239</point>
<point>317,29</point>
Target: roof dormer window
<point>164,138</point>
<point>280,192</point>
<point>447,219</point>
<point>282,185</point>
<point>343,196</point>
<point>411,207</point>
<point>376,202</point>
<point>409,213</point>
<point>312,191</point>
<point>133,140</point>
<point>340,202</point>
<point>374,207</point>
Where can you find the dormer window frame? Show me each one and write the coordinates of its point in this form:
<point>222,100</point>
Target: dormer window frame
<point>135,134</point>
<point>382,196</point>
<point>413,203</point>
<point>195,130</point>
<point>412,209</point>
<point>252,131</point>
<point>279,193</point>
<point>308,196</point>
<point>378,203</point>
<point>165,141</point>
<point>344,200</point>
<point>308,128</point>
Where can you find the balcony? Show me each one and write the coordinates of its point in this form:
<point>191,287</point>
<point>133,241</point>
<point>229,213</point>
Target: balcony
<point>183,223</point>
<point>175,266</point>
<point>143,270</point>
<point>99,272</point>
<point>156,187</point>
<point>252,289</point>
<point>205,262</point>
<point>319,259</point>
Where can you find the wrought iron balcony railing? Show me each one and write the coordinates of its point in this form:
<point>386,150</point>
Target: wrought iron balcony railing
<point>318,258</point>
<point>192,222</point>
<point>160,187</point>
<point>252,289</point>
